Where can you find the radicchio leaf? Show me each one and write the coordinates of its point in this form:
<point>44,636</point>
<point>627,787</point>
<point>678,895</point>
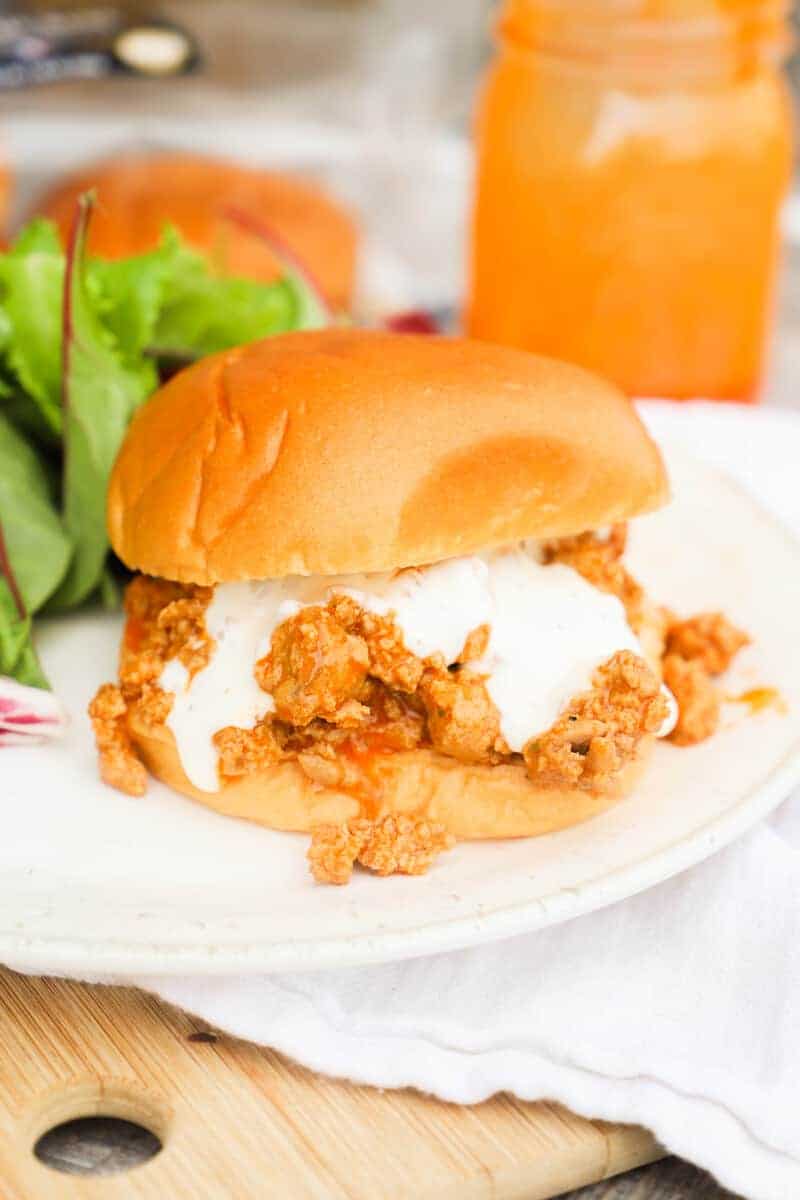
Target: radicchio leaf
<point>28,714</point>
<point>413,320</point>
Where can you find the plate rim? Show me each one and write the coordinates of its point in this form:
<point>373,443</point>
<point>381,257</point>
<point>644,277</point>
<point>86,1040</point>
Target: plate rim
<point>126,959</point>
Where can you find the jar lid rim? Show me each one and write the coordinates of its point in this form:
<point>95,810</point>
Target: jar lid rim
<point>549,15</point>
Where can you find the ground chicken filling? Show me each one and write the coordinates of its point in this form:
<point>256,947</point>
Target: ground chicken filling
<point>346,688</point>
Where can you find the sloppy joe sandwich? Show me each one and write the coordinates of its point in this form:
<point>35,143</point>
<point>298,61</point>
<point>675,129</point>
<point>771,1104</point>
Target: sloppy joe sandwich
<point>381,597</point>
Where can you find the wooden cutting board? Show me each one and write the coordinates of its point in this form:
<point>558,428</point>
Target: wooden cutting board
<point>239,1121</point>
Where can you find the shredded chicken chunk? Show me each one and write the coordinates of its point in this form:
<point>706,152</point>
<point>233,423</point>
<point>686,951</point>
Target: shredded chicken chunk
<point>314,667</point>
<point>119,766</point>
<point>347,691</point>
<point>398,718</point>
<point>698,698</point>
<point>152,704</point>
<point>333,755</point>
<point>146,596</point>
<point>697,649</point>
<point>182,633</point>
<point>598,560</point>
<point>334,851</point>
<point>708,638</point>
<point>600,732</point>
<point>340,757</point>
<point>165,620</point>
<point>245,751</point>
<point>476,644</point>
<point>389,659</point>
<point>324,764</point>
<point>390,846</point>
<point>463,721</point>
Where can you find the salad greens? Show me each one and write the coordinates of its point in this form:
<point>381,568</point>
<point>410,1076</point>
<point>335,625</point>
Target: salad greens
<point>32,283</point>
<point>81,342</point>
<point>101,390</point>
<point>33,539</point>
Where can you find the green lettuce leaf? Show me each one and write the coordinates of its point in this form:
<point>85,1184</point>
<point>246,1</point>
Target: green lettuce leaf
<point>80,340</point>
<point>203,313</point>
<point>130,292</point>
<point>110,590</point>
<point>170,300</point>
<point>34,548</point>
<point>312,310</point>
<point>17,653</point>
<point>32,283</point>
<point>27,416</point>
<point>34,552</point>
<point>101,393</point>
<point>37,546</point>
<point>39,236</point>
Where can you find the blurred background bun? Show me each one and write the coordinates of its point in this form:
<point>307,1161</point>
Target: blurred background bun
<point>6,195</point>
<point>138,193</point>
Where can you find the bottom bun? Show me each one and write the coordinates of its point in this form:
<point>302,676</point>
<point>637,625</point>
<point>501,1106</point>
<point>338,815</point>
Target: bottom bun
<point>469,801</point>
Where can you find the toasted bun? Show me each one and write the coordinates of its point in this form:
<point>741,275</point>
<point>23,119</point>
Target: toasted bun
<point>345,451</point>
<point>137,194</point>
<point>470,801</point>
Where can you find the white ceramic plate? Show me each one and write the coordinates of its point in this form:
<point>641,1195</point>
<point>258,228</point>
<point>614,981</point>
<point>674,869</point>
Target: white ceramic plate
<point>95,882</point>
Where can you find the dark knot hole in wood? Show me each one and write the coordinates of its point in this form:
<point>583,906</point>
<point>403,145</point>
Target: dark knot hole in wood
<point>96,1127</point>
<point>96,1146</point>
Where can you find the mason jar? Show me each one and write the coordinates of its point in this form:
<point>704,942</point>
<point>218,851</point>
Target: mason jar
<point>632,156</point>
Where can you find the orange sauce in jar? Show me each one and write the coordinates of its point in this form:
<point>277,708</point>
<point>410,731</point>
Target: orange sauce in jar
<point>631,162</point>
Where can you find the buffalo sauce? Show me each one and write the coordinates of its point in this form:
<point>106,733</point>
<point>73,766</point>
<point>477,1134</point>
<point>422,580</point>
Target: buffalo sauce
<point>760,698</point>
<point>366,752</point>
<point>134,635</point>
<point>631,162</point>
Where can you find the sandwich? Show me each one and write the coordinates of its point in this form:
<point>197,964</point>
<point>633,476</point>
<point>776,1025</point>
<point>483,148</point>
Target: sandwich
<point>240,216</point>
<point>381,597</point>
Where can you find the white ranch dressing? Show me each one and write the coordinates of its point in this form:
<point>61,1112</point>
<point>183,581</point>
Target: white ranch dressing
<point>550,630</point>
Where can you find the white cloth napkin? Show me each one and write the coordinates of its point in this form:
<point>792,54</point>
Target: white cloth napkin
<point>678,1009</point>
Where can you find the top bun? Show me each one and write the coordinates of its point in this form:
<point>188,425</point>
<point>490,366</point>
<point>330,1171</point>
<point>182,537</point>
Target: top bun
<point>138,193</point>
<point>340,451</point>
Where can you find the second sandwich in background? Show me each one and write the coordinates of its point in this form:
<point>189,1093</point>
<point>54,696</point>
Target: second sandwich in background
<point>139,193</point>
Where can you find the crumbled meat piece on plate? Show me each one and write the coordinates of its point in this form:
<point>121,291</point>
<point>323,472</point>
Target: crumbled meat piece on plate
<point>708,638</point>
<point>698,698</point>
<point>390,846</point>
<point>119,766</point>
